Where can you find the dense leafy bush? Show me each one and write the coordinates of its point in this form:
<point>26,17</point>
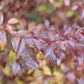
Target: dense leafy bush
<point>46,50</point>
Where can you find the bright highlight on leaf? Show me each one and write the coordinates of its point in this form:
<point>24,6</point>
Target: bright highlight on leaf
<point>13,21</point>
<point>67,2</point>
<point>1,17</point>
<point>82,14</point>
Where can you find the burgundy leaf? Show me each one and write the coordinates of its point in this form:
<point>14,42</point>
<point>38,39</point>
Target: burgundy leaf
<point>30,63</point>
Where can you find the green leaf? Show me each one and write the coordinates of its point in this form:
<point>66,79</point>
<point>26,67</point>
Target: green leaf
<point>32,16</point>
<point>18,26</point>
<point>54,68</point>
<point>70,13</point>
<point>12,56</point>
<point>9,39</point>
<point>42,8</point>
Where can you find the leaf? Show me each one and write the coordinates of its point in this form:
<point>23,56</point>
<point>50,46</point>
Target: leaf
<point>51,37</point>
<point>73,47</point>
<point>68,29</point>
<point>25,51</point>
<point>53,58</point>
<point>18,45</point>
<point>15,42</point>
<point>6,71</point>
<point>3,37</point>
<point>46,23</point>
<point>45,35</point>
<point>67,2</point>
<point>12,56</point>
<point>1,17</point>
<point>39,55</point>
<point>70,13</point>
<point>13,21</point>
<point>46,71</point>
<point>74,7</point>
<point>9,28</point>
<point>1,45</point>
<point>37,43</point>
<point>58,61</point>
<point>42,8</point>
<point>82,14</point>
<point>15,68</point>
<point>22,33</point>
<point>49,49</point>
<point>21,46</point>
<point>30,63</point>
<point>81,80</point>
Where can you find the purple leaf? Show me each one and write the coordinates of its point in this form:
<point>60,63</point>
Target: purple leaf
<point>15,42</point>
<point>21,46</point>
<point>58,61</point>
<point>15,68</point>
<point>49,49</point>
<point>34,42</point>
<point>18,45</point>
<point>51,37</point>
<point>70,76</point>
<point>46,23</point>
<point>44,34</point>
<point>68,29</point>
<point>37,43</point>
<point>54,28</point>
<point>73,47</point>
<point>74,7</point>
<point>3,37</point>
<point>30,63</point>
<point>25,51</point>
<point>81,80</point>
<point>1,17</point>
<point>22,33</point>
<point>52,57</point>
<point>82,14</point>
